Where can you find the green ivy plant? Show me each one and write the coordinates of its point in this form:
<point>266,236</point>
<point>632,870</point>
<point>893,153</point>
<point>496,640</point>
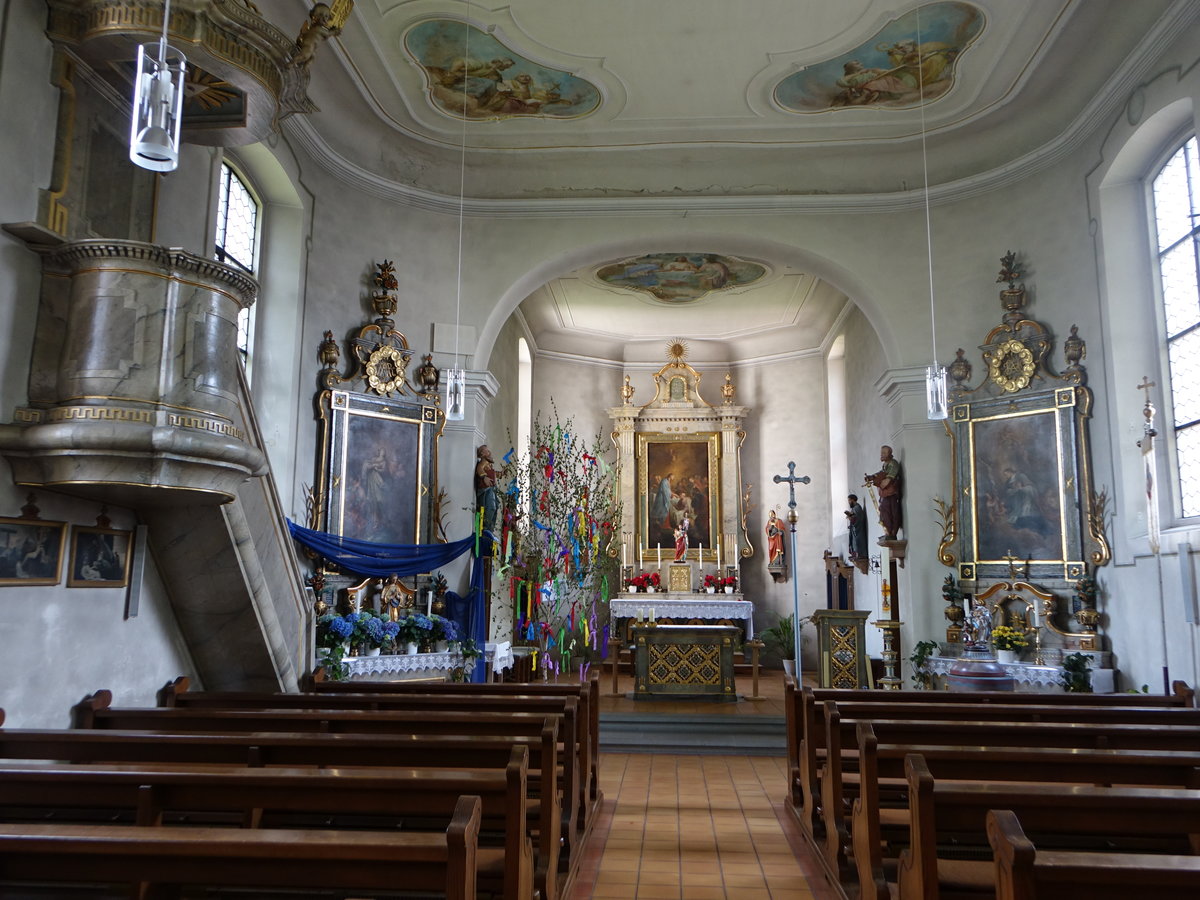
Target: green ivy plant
<point>922,677</point>
<point>1077,674</point>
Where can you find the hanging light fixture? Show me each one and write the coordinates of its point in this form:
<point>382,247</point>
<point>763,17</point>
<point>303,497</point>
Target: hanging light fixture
<point>936,401</point>
<point>456,378</point>
<point>157,104</point>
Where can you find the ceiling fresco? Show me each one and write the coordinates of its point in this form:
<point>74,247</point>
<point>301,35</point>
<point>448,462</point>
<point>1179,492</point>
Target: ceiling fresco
<point>681,277</point>
<point>471,72</point>
<point>889,69</point>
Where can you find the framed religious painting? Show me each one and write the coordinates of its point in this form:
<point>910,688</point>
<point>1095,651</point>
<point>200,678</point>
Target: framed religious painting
<point>1024,485</point>
<point>379,467</point>
<point>31,551</point>
<point>99,557</point>
<point>679,495</point>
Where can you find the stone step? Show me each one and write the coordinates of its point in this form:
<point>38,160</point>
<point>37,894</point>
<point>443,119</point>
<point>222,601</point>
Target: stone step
<point>652,732</point>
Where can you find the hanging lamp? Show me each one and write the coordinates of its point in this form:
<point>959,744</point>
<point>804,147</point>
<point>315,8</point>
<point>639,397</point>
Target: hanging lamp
<point>936,400</point>
<point>157,103</point>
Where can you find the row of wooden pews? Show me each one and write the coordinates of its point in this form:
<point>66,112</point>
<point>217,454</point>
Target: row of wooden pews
<point>495,786</point>
<point>902,794</point>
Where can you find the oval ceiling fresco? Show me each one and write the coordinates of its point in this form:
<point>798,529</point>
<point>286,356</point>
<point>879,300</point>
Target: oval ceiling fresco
<point>681,277</point>
<point>472,73</point>
<point>888,70</point>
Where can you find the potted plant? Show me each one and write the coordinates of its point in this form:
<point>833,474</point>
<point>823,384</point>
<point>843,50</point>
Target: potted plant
<point>922,677</point>
<point>469,653</point>
<point>415,629</point>
<point>729,582</point>
<point>333,637</point>
<point>443,632</point>
<point>711,583</point>
<point>1008,642</point>
<point>1076,674</point>
<point>781,639</point>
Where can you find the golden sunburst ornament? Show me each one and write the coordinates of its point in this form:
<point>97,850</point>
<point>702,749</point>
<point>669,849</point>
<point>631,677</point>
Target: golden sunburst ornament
<point>677,351</point>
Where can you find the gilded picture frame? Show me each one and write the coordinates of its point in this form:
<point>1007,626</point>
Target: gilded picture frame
<point>690,466</point>
<point>378,467</point>
<point>1024,486</point>
<point>31,551</point>
<point>100,557</point>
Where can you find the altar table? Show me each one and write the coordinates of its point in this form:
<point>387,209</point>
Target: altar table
<point>1027,677</point>
<point>683,661</point>
<point>498,657</point>
<point>708,607</point>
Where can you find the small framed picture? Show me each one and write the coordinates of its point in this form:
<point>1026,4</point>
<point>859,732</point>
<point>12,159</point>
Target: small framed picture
<point>31,551</point>
<point>99,557</point>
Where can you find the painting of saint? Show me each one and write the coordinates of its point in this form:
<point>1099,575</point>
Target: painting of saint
<point>471,73</point>
<point>680,277</point>
<point>679,504</point>
<point>1018,504</point>
<point>889,70</point>
<point>379,499</point>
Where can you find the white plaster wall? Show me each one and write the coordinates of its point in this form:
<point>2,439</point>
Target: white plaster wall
<point>60,643</point>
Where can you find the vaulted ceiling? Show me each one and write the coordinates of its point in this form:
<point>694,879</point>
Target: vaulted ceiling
<point>712,102</point>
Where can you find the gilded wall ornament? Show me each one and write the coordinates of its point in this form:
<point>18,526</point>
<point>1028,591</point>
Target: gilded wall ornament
<point>1011,366</point>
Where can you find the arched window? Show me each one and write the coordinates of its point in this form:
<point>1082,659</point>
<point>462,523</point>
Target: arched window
<point>237,239</point>
<point>1176,196</point>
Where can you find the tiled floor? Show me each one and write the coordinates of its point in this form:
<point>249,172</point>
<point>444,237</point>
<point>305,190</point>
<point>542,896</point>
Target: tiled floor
<point>696,828</point>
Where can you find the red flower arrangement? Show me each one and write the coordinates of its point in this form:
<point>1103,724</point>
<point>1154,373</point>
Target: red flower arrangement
<point>645,580</point>
<point>712,581</point>
<point>729,581</point>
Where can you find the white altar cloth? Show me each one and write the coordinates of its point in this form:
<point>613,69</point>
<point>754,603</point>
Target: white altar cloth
<point>685,606</point>
<point>1027,677</point>
<point>498,657</point>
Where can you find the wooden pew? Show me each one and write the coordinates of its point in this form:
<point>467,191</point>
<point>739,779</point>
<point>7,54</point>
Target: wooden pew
<point>1012,726</point>
<point>318,750</point>
<point>588,691</point>
<point>264,859</point>
<point>1133,728</point>
<point>94,712</point>
<point>1102,817</point>
<point>378,799</point>
<point>573,705</point>
<point>885,764</point>
<point>1022,872</point>
<point>802,714</point>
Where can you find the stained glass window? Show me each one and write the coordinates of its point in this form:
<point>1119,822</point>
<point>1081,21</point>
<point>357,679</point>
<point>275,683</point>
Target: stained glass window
<point>1177,218</point>
<point>237,238</point>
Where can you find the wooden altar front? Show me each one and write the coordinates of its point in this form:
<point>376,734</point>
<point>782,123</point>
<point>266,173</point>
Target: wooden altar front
<point>684,661</point>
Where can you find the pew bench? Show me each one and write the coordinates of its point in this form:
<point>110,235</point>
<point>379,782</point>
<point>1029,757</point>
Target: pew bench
<point>573,706</point>
<point>1022,872</point>
<point>161,858</point>
<point>1099,819</point>
<point>279,749</point>
<point>379,799</point>
<point>94,712</point>
<point>880,810</point>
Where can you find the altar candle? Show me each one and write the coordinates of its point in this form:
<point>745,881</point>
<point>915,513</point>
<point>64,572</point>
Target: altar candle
<point>718,560</point>
<point>1037,615</point>
<point>652,614</point>
<point>700,554</point>
<point>624,554</point>
<point>660,556</point>
<point>429,603</point>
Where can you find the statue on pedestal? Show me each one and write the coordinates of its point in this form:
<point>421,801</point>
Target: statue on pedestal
<point>888,481</point>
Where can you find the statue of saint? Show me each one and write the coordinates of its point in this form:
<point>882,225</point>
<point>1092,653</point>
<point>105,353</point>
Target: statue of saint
<point>485,486</point>
<point>888,481</point>
<point>856,521</point>
<point>681,538</point>
<point>775,532</point>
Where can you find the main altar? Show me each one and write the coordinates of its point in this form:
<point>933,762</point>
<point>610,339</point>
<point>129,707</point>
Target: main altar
<point>684,515</point>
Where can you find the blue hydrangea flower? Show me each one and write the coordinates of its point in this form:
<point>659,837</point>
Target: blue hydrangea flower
<point>391,629</point>
<point>450,629</point>
<point>340,627</point>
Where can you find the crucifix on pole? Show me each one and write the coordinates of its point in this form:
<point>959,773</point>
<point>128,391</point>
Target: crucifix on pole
<point>792,480</point>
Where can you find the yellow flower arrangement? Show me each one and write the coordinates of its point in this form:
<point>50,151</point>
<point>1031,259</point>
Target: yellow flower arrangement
<point>1004,637</point>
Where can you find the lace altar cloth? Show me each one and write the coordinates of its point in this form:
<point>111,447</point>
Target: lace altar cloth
<point>498,656</point>
<point>685,606</point>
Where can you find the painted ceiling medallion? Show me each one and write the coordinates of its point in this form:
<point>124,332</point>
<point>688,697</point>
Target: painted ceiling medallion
<point>491,80</point>
<point>681,277</point>
<point>888,70</point>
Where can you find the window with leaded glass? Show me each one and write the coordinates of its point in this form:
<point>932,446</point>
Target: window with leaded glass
<point>237,238</point>
<point>1177,219</point>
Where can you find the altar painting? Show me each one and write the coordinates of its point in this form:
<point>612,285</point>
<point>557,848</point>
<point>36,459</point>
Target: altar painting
<point>1018,488</point>
<point>680,277</point>
<point>677,480</point>
<point>889,70</point>
<point>472,73</point>
<point>378,465</point>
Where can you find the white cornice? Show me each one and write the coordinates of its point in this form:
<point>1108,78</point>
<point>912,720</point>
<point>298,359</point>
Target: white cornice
<point>1132,71</point>
<point>700,365</point>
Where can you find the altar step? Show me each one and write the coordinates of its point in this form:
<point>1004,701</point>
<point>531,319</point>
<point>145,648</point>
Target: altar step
<point>653,732</point>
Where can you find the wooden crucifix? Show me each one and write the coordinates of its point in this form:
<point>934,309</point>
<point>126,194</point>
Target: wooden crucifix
<point>792,480</point>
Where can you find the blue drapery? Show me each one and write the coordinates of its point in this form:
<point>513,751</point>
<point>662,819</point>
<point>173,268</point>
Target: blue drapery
<point>381,560</point>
